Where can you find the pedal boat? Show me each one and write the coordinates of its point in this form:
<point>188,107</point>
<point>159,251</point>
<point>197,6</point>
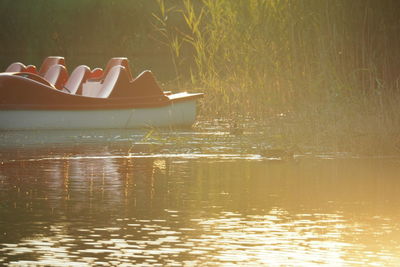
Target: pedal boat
<point>29,101</point>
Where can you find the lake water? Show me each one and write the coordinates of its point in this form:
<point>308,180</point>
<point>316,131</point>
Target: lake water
<point>191,197</point>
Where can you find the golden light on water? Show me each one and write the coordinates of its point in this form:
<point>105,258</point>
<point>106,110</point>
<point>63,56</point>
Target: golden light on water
<point>99,205</point>
<point>274,239</point>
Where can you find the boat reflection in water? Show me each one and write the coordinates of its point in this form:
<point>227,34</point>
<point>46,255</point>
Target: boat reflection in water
<point>109,198</point>
<point>80,173</point>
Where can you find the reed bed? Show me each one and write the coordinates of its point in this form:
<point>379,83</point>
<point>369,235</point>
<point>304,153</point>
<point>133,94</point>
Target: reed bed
<point>319,73</point>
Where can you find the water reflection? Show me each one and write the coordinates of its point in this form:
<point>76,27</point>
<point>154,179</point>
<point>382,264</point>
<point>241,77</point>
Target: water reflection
<point>112,202</point>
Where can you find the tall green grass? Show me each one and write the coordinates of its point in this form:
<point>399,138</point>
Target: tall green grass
<point>330,68</point>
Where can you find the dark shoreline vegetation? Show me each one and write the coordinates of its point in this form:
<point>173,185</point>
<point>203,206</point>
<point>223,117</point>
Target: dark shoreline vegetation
<point>316,74</point>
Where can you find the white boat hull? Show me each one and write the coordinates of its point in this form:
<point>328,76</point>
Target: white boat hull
<point>180,113</point>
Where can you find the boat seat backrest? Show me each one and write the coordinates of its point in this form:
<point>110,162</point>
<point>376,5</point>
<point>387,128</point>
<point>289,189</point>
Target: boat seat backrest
<point>75,80</point>
<point>110,81</point>
<point>31,69</point>
<point>49,62</point>
<point>96,73</point>
<point>57,75</point>
<point>118,61</point>
<point>16,67</point>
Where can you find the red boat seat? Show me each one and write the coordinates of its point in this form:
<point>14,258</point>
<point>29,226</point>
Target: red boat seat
<point>110,81</point>
<point>96,73</point>
<point>118,85</point>
<point>49,62</point>
<point>31,69</point>
<point>75,80</point>
<point>57,75</point>
<point>16,67</point>
<point>118,61</point>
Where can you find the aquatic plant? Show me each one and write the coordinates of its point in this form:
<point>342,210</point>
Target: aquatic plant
<point>330,67</point>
